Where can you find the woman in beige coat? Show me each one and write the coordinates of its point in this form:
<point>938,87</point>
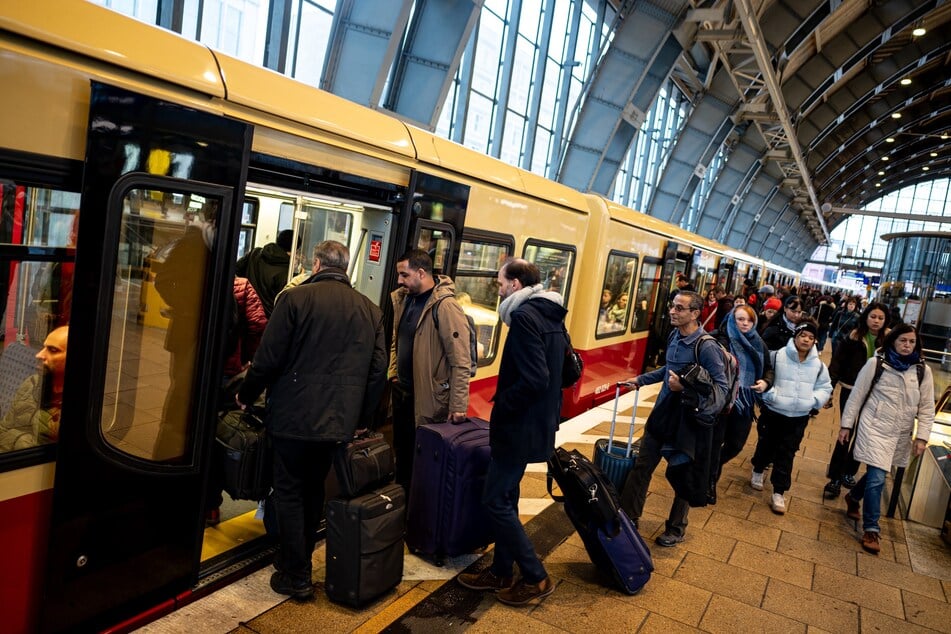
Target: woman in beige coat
<point>882,414</point>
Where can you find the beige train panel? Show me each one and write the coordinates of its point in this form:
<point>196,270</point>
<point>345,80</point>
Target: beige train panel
<point>460,159</point>
<point>270,92</point>
<point>20,482</point>
<point>541,187</point>
<point>289,145</point>
<point>48,111</point>
<point>106,35</point>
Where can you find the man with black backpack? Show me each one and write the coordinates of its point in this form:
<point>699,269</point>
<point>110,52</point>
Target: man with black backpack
<point>680,426</point>
<point>430,356</point>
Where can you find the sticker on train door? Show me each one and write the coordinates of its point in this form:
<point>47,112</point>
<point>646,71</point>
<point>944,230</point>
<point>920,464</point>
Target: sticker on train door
<point>376,247</point>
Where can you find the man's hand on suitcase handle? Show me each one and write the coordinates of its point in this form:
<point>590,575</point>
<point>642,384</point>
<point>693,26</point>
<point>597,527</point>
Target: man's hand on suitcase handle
<point>631,383</point>
<point>456,417</point>
<point>241,405</point>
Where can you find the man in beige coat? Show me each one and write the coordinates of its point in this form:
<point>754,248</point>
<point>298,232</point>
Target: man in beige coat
<point>429,367</point>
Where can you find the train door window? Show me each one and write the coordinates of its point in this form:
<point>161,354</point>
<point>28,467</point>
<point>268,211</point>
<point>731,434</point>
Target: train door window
<point>704,271</point>
<point>317,221</point>
<point>37,259</point>
<point>249,222</point>
<point>555,262</point>
<point>165,248</point>
<point>436,239</point>
<point>477,291</point>
<point>647,298</point>
<point>614,311</point>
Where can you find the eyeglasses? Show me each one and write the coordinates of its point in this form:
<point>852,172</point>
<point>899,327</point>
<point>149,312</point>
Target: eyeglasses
<point>678,308</point>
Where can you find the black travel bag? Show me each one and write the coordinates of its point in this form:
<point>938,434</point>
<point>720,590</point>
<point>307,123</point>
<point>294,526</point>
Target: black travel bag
<point>365,545</point>
<point>245,454</point>
<point>364,463</point>
<point>609,536</point>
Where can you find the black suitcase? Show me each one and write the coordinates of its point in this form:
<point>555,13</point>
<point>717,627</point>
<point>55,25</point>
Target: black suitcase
<point>609,536</point>
<point>365,545</point>
<point>446,516</point>
<point>245,453</point>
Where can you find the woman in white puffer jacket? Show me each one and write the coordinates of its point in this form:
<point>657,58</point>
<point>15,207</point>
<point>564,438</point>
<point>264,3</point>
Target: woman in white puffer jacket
<point>885,413</point>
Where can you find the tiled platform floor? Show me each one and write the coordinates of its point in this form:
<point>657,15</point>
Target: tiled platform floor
<point>741,569</point>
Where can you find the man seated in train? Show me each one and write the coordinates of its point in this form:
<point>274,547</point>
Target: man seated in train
<point>34,415</point>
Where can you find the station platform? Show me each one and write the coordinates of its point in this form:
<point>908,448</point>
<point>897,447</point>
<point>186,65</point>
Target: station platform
<point>741,568</point>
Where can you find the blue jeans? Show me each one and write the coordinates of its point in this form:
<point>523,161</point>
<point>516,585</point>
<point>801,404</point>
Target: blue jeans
<point>869,489</point>
<point>512,545</point>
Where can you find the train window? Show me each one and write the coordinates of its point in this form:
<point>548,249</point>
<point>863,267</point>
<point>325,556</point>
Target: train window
<point>555,262</point>
<point>436,240</point>
<point>37,255</point>
<point>647,298</point>
<point>164,251</point>
<point>614,311</point>
<point>480,257</point>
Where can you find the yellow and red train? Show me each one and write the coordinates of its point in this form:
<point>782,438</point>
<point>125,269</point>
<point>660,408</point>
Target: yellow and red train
<point>119,140</point>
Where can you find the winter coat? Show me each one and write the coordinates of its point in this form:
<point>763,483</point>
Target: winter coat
<point>887,420</point>
<point>323,358</point>
<point>526,407</point>
<point>708,316</point>
<point>440,359</point>
<point>26,424</point>
<point>850,356</point>
<point>800,386</point>
<point>267,268</point>
<point>778,333</point>
<point>249,322</point>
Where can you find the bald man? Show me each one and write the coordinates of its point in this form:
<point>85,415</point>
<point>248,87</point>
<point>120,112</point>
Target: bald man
<point>34,415</point>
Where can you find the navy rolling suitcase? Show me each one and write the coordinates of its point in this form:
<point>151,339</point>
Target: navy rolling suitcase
<point>365,545</point>
<point>609,536</point>
<point>445,516</point>
<point>616,460</point>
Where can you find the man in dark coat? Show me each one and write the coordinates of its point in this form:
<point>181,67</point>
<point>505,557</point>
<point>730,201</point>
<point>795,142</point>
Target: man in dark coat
<point>323,359</point>
<point>525,416</point>
<point>268,268</point>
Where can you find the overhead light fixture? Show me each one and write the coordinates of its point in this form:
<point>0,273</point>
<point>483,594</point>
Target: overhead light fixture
<point>918,32</point>
<point>905,81</point>
<point>881,173</point>
<point>934,154</point>
<point>944,136</point>
<point>925,168</point>
<point>896,115</point>
<point>884,158</point>
<point>878,184</point>
<point>890,139</point>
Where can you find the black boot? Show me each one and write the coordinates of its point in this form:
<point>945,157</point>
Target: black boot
<point>832,490</point>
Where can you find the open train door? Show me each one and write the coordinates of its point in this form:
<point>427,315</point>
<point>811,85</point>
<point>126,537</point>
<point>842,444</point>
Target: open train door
<point>437,213</point>
<point>161,190</point>
<point>674,262</point>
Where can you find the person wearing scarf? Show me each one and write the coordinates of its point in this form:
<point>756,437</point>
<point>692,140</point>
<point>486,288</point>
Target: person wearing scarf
<point>881,415</point>
<point>738,335</point>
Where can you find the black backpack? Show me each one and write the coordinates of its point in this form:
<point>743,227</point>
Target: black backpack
<point>473,340</point>
<point>730,367</point>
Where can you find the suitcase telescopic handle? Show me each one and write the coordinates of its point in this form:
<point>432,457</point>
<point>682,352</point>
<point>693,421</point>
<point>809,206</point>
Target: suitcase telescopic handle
<point>630,433</point>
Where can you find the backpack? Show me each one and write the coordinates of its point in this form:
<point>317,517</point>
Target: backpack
<point>573,366</point>
<point>730,366</point>
<point>473,340</point>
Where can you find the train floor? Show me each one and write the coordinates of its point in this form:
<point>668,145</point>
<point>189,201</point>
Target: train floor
<point>740,569</point>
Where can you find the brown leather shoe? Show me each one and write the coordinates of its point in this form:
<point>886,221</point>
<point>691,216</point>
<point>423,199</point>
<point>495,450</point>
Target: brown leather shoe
<point>524,593</point>
<point>485,580</point>
<point>870,542</point>
<point>852,508</point>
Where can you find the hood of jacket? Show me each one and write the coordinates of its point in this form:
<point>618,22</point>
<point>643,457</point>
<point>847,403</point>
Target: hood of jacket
<point>274,255</point>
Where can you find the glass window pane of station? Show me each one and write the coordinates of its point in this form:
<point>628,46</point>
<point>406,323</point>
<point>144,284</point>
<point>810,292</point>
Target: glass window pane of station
<point>614,311</point>
<point>477,290</point>
<point>164,252</point>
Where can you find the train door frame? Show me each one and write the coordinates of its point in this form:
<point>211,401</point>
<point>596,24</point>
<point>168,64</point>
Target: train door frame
<point>93,579</point>
<point>657,335</point>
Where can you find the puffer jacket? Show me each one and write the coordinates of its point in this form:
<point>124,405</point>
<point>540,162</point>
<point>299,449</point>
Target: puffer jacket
<point>440,359</point>
<point>800,386</point>
<point>27,424</point>
<point>887,420</point>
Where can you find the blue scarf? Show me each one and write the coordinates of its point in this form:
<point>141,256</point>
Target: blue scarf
<point>748,349</point>
<point>900,362</point>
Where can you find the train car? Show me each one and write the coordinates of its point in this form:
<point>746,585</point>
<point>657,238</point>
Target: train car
<point>136,167</point>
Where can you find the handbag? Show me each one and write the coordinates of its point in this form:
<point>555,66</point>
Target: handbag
<point>362,464</point>
<point>573,366</point>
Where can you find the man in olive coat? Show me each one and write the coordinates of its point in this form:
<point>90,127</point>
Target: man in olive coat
<point>323,359</point>
<point>525,415</point>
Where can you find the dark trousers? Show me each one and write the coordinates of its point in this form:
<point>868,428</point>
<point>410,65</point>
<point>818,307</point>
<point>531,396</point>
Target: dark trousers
<point>779,439</point>
<point>730,436</point>
<point>842,463</point>
<point>300,468</point>
<point>404,434</point>
<point>634,493</point>
<point>512,545</point>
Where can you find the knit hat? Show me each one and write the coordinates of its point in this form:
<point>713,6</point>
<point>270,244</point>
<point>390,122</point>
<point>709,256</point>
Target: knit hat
<point>767,290</point>
<point>807,326</point>
<point>773,303</point>
<point>790,300</point>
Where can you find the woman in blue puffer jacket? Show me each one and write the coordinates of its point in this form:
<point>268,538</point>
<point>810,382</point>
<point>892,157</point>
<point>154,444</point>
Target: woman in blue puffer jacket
<point>801,386</point>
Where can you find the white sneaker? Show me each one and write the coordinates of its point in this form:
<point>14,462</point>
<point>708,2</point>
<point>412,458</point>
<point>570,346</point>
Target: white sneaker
<point>756,481</point>
<point>778,503</point>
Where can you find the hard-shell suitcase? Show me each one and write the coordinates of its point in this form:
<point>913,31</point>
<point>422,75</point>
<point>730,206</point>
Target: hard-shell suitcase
<point>616,460</point>
<point>445,516</point>
<point>245,453</point>
<point>365,545</point>
<point>364,463</point>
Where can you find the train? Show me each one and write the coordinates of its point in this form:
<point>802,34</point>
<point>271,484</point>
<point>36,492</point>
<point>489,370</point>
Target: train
<point>121,140</point>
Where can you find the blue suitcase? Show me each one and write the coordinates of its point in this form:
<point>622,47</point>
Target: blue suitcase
<point>445,516</point>
<point>616,460</point>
